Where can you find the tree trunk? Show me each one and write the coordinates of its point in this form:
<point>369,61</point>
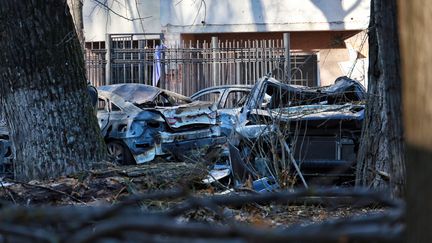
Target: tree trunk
<point>416,51</point>
<point>76,7</point>
<point>43,90</point>
<point>381,154</point>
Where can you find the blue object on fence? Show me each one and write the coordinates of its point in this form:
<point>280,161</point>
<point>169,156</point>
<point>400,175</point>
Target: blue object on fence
<point>157,65</point>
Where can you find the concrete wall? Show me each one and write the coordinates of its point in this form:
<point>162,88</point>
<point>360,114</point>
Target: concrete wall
<point>318,26</point>
<point>351,60</point>
<point>214,16</point>
<point>139,16</point>
<point>220,16</point>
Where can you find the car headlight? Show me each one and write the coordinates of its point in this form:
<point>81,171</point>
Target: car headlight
<point>137,128</point>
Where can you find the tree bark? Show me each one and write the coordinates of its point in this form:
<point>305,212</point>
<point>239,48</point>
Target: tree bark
<point>381,162</point>
<point>416,51</point>
<point>76,7</point>
<point>43,90</point>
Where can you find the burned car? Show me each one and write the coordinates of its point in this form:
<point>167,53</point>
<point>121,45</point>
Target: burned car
<point>313,132</point>
<point>139,122</point>
<point>225,96</point>
<point>229,100</point>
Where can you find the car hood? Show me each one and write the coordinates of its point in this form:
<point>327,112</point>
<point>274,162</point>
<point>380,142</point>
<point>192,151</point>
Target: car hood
<point>195,113</point>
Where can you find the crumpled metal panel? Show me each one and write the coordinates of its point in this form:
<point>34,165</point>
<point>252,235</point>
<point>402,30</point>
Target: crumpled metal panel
<point>139,94</point>
<point>254,131</point>
<point>190,114</point>
<point>321,112</point>
<point>175,116</point>
<point>351,89</point>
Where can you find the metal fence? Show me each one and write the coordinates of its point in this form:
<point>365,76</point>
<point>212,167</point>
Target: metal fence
<point>190,66</point>
<point>96,63</point>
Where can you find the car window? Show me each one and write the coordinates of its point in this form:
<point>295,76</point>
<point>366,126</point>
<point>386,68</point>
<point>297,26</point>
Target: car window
<point>277,97</point>
<point>114,107</point>
<point>211,97</point>
<point>235,99</point>
<point>101,105</point>
<point>174,100</point>
<point>164,100</point>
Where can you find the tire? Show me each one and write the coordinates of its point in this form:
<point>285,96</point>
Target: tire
<point>119,153</point>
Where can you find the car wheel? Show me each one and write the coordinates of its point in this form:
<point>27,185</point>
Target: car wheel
<point>119,153</point>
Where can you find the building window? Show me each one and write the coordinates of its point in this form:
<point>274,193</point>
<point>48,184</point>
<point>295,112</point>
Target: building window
<point>304,70</point>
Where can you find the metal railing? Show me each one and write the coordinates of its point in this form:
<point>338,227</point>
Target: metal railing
<point>188,67</point>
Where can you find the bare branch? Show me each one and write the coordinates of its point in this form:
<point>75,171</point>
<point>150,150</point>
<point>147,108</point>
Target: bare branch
<point>104,5</point>
<point>123,221</point>
<point>374,227</point>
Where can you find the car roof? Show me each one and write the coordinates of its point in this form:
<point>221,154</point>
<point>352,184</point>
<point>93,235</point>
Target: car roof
<point>223,87</point>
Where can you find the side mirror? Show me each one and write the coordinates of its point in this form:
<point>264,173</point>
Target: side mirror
<point>93,93</point>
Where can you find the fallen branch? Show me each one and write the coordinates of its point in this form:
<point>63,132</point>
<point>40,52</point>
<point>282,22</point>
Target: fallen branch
<point>376,228</point>
<point>105,184</point>
<point>126,221</point>
<point>284,197</point>
<point>48,189</point>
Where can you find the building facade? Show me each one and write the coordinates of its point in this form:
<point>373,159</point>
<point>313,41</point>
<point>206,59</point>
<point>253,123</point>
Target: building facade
<point>327,38</point>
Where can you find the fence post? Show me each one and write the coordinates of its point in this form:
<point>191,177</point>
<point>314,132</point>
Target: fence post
<point>214,41</point>
<point>287,55</point>
<point>108,59</point>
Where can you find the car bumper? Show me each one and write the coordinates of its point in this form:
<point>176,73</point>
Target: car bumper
<point>178,143</point>
<point>181,147</point>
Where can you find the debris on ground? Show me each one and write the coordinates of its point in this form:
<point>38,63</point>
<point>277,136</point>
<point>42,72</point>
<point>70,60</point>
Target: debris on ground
<point>108,184</point>
<point>174,215</point>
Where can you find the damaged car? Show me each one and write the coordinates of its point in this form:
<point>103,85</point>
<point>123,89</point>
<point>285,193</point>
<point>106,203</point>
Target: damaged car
<point>224,96</point>
<point>229,99</point>
<point>140,122</point>
<point>284,129</point>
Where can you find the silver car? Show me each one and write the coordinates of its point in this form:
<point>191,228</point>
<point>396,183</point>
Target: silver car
<point>140,122</point>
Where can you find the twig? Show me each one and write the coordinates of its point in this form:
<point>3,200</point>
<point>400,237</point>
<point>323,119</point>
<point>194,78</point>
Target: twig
<point>119,15</point>
<point>294,163</point>
<point>118,193</point>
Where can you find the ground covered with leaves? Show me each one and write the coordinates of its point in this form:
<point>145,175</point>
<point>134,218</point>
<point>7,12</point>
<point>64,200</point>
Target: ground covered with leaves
<point>137,200</point>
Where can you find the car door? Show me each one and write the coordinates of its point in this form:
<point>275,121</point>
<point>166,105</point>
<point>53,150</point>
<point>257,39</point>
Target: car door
<point>233,98</point>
